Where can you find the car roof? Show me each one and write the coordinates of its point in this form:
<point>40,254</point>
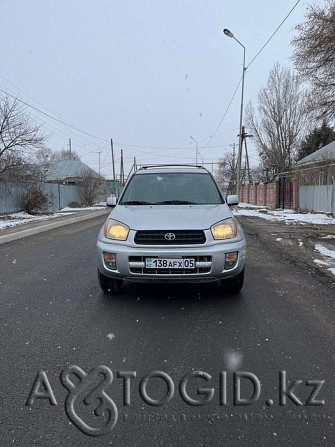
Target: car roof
<point>154,169</point>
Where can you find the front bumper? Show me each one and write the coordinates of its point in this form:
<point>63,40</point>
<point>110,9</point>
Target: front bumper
<point>210,261</point>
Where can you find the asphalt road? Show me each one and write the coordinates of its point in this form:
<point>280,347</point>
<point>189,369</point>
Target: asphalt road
<point>54,316</point>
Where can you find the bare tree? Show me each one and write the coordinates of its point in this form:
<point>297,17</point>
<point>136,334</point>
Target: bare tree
<point>66,154</point>
<point>46,155</point>
<point>314,57</point>
<point>281,119</point>
<point>91,186</point>
<point>226,172</point>
<point>19,137</point>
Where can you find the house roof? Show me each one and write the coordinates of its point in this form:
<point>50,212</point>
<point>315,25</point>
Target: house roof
<point>326,153</point>
<point>66,169</point>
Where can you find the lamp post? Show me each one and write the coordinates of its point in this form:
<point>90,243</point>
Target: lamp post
<point>196,150</point>
<point>240,141</point>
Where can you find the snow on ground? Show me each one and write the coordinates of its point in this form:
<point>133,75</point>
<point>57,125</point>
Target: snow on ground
<point>287,216</point>
<point>319,262</point>
<point>97,206</point>
<point>325,251</point>
<point>12,220</point>
<point>250,205</point>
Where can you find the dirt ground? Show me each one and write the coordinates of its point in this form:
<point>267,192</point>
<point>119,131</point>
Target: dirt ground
<point>296,241</point>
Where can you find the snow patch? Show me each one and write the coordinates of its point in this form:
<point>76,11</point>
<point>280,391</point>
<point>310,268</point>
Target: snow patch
<point>287,216</point>
<point>12,220</point>
<point>319,262</point>
<point>325,251</point>
<point>87,208</point>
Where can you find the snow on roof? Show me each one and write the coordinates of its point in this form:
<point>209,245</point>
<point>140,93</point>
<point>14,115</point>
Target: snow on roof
<point>326,153</point>
<point>65,169</point>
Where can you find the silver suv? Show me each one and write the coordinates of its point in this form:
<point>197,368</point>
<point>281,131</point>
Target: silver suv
<point>171,224</point>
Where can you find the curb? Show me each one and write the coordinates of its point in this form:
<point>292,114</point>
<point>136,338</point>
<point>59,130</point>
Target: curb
<point>50,226</point>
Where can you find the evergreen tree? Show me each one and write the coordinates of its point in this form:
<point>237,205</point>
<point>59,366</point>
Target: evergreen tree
<point>319,137</point>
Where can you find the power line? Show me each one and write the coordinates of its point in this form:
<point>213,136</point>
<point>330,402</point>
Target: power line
<point>283,21</point>
<point>224,115</point>
<point>52,117</point>
<point>5,91</point>
<point>20,90</point>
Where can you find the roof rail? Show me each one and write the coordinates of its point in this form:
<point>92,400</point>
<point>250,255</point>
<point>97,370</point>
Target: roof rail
<point>185,165</point>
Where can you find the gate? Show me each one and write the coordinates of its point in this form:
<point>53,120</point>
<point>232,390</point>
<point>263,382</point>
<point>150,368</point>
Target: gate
<point>285,191</point>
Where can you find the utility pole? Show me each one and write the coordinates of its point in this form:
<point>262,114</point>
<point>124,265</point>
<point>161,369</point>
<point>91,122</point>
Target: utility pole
<point>234,167</point>
<point>113,164</point>
<point>196,151</point>
<point>70,148</point>
<point>247,160</point>
<point>121,169</point>
<point>244,138</point>
<point>99,152</point>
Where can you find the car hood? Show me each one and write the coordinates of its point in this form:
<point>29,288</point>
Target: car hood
<point>170,217</point>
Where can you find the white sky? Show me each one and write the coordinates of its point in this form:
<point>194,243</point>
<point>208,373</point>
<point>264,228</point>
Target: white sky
<point>146,73</point>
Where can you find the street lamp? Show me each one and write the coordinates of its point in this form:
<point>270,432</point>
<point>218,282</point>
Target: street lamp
<point>196,150</point>
<point>240,141</point>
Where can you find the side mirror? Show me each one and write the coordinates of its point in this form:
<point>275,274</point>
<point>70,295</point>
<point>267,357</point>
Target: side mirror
<point>232,200</point>
<point>111,201</point>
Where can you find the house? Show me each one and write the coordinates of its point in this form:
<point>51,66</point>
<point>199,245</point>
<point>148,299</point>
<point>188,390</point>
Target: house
<point>317,168</point>
<point>66,171</point>
<point>323,155</point>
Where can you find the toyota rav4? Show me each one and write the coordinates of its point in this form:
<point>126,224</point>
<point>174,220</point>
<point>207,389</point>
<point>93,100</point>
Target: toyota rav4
<point>171,224</point>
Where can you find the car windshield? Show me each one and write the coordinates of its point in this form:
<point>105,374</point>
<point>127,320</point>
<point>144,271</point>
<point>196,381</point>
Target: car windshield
<point>171,189</point>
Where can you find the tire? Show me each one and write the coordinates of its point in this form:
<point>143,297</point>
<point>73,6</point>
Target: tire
<point>234,284</point>
<point>108,285</point>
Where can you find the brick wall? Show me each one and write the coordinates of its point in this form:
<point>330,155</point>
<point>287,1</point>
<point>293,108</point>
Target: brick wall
<point>264,194</point>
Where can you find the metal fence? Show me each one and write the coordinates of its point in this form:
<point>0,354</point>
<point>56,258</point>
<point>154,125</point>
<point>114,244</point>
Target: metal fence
<point>317,198</point>
<point>59,196</point>
<point>10,198</point>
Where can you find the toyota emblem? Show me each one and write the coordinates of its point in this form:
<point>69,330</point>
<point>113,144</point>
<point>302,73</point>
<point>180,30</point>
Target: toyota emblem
<point>170,236</point>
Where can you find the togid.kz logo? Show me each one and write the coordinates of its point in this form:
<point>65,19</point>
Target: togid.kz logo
<point>79,392</point>
<point>82,388</point>
<point>91,410</point>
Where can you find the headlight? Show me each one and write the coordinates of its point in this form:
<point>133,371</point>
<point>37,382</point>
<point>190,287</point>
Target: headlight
<point>225,229</point>
<point>116,230</point>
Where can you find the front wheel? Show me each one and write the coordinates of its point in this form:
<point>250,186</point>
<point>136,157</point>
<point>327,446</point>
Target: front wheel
<point>234,284</point>
<point>110,286</point>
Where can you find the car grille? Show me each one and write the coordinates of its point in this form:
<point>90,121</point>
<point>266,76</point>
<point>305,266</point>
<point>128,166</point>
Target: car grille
<point>137,265</point>
<point>182,237</point>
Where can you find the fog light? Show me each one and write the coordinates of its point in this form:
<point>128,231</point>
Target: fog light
<point>231,260</point>
<point>110,260</point>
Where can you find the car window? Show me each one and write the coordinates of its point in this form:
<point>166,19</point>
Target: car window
<point>171,188</point>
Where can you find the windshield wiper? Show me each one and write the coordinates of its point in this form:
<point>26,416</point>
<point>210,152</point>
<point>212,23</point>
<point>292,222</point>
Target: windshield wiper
<point>136,202</point>
<point>175,202</point>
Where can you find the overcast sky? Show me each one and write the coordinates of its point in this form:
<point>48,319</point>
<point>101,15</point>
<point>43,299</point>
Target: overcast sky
<point>148,73</point>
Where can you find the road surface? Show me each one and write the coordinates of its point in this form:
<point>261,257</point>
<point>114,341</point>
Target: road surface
<point>55,318</point>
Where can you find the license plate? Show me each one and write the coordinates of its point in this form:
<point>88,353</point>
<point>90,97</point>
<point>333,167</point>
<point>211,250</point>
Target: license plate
<point>168,263</point>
